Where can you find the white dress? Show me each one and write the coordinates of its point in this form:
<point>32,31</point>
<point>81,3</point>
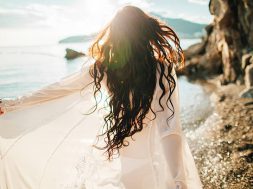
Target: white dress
<point>46,142</point>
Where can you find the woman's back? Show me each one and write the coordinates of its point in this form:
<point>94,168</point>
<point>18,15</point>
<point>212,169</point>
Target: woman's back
<point>159,151</point>
<point>135,117</point>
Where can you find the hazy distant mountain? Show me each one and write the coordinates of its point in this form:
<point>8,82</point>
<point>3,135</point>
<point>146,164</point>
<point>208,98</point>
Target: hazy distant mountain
<point>184,28</point>
<point>78,38</point>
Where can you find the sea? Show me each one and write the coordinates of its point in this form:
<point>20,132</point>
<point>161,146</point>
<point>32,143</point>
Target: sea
<point>25,69</point>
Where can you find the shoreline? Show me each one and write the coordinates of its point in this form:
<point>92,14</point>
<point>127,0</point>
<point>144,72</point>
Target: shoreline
<point>223,145</point>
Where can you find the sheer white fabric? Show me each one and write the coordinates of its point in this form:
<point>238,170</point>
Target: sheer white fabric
<point>46,142</point>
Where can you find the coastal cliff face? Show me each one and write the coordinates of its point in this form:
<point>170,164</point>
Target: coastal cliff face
<point>227,48</point>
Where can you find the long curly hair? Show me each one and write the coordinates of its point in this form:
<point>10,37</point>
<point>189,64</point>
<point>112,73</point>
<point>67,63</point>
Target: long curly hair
<point>133,52</point>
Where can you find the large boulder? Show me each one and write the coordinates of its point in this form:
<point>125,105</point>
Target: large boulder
<point>72,54</point>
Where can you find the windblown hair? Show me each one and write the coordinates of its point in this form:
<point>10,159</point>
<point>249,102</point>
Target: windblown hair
<point>133,51</point>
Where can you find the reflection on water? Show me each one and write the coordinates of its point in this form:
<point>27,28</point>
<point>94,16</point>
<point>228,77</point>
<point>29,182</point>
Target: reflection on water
<point>25,69</point>
<point>195,105</point>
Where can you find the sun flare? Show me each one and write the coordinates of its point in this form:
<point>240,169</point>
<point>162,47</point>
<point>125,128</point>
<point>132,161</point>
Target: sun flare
<point>95,14</point>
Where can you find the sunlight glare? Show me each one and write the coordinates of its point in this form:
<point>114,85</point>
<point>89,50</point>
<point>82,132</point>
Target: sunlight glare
<point>95,13</point>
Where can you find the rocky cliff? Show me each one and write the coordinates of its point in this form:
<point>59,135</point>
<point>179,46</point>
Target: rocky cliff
<point>227,48</point>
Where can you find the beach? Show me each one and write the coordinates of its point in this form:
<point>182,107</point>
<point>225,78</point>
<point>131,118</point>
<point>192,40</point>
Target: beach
<point>222,144</point>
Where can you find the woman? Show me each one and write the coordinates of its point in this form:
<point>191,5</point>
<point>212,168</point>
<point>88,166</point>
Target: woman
<point>134,119</point>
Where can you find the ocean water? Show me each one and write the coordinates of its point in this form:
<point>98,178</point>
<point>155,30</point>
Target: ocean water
<point>25,69</point>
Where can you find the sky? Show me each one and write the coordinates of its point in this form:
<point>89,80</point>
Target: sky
<point>34,22</point>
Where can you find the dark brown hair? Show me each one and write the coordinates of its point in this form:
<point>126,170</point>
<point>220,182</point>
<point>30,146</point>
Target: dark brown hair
<point>133,51</point>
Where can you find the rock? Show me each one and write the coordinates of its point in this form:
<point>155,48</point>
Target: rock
<point>249,157</point>
<point>228,38</point>
<point>246,146</point>
<point>209,29</point>
<point>193,50</point>
<point>246,60</point>
<point>249,76</point>
<point>227,127</point>
<point>247,93</point>
<point>248,103</point>
<point>222,98</point>
<point>240,80</point>
<point>211,62</point>
<point>72,54</point>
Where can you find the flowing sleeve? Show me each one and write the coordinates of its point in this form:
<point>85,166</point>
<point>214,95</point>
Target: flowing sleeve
<point>170,133</point>
<point>65,86</point>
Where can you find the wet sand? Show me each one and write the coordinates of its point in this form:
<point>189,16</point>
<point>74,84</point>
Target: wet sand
<point>222,144</point>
